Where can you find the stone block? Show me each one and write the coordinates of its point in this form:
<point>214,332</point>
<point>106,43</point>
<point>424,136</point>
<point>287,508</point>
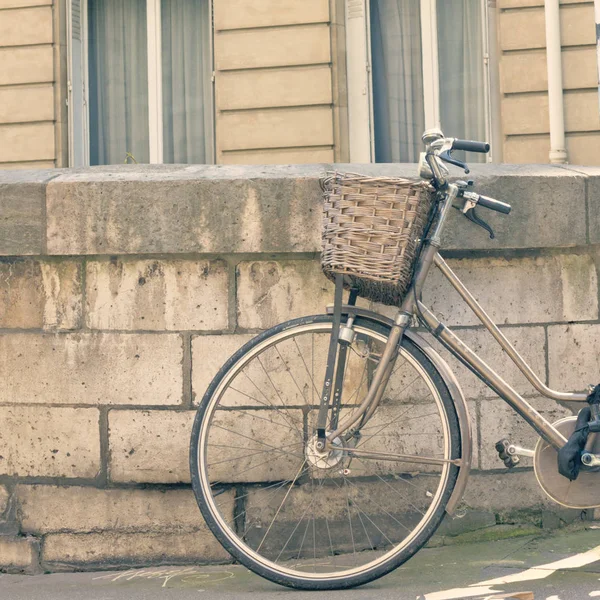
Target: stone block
<point>529,342</point>
<point>25,27</point>
<point>276,128</point>
<point>272,47</point>
<point>157,295</point>
<point>40,294</point>
<point>22,196</point>
<point>91,368</point>
<point>498,420</point>
<point>19,554</point>
<point>393,506</point>
<point>209,209</point>
<point>26,64</point>
<point>153,446</point>
<point>66,551</point>
<point>518,290</point>
<point>238,14</point>
<point>4,498</point>
<point>264,88</point>
<point>272,292</point>
<point>573,356</point>
<point>59,509</point>
<point>592,175</point>
<point>548,209</point>
<point>149,446</point>
<point>49,442</point>
<point>209,354</point>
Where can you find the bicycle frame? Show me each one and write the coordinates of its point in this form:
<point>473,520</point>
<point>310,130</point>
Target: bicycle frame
<point>411,304</point>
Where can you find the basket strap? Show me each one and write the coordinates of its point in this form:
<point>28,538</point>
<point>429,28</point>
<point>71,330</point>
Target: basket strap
<point>331,359</point>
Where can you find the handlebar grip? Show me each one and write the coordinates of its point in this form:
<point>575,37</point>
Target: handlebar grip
<point>496,205</point>
<point>470,146</point>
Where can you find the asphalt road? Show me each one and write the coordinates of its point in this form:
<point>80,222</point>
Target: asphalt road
<point>564,566</point>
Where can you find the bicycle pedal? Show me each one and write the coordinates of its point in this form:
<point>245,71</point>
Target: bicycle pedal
<point>510,454</point>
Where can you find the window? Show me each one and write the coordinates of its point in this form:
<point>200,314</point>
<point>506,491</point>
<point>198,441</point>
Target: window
<point>140,81</point>
<point>414,65</point>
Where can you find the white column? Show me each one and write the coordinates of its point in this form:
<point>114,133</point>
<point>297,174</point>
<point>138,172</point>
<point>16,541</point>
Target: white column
<point>155,120</point>
<point>359,81</point>
<point>558,152</point>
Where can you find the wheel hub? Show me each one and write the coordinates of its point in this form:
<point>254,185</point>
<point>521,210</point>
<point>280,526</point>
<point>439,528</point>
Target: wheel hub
<point>327,459</point>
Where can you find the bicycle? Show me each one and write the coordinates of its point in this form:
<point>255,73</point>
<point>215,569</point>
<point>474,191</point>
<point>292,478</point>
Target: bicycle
<point>327,450</point>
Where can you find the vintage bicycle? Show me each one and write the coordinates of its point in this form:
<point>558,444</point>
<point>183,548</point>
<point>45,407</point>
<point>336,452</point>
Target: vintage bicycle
<point>327,450</point>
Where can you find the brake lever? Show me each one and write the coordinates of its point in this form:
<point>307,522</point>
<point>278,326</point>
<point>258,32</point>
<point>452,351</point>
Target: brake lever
<point>474,217</point>
<point>445,156</point>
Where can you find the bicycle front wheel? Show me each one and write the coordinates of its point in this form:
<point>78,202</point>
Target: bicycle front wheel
<point>314,521</point>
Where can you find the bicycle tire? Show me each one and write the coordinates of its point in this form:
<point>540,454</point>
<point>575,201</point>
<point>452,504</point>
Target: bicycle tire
<point>225,532</point>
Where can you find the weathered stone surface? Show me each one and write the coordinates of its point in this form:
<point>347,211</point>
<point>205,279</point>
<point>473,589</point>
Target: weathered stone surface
<point>4,497</point>
<point>528,341</point>
<point>19,554</point>
<point>153,446</point>
<point>272,292</point>
<point>394,506</point>
<point>47,508</point>
<point>209,354</point>
<point>149,209</point>
<point>49,442</point>
<point>537,194</point>
<point>22,196</point>
<point>518,290</point>
<point>504,492</point>
<point>593,198</point>
<point>145,209</point>
<point>40,294</point>
<point>149,446</point>
<point>157,295</point>
<point>96,368</point>
<point>498,420</point>
<point>573,356</point>
<point>548,209</point>
<point>63,551</point>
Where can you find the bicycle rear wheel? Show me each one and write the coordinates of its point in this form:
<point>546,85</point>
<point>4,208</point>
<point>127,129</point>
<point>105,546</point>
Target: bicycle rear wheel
<point>301,519</point>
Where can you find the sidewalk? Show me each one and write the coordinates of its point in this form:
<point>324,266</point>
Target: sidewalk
<point>561,566</point>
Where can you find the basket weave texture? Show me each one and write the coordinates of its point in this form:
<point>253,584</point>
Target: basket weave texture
<point>371,232</point>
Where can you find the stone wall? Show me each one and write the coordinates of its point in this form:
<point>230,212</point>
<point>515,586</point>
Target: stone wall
<point>122,291</point>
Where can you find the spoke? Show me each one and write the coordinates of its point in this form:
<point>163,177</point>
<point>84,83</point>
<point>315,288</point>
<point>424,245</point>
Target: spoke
<point>285,415</point>
<point>289,371</point>
<point>271,381</point>
<point>312,379</point>
<point>281,505</point>
<point>276,487</point>
<point>241,456</point>
<point>254,440</point>
<point>380,507</point>
<point>297,524</point>
<point>350,523</point>
<point>245,412</point>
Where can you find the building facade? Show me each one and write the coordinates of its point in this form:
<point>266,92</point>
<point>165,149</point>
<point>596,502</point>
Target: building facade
<point>92,82</point>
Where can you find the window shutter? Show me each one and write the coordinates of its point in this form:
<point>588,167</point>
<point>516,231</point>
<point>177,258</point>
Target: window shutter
<point>78,151</point>
<point>359,81</point>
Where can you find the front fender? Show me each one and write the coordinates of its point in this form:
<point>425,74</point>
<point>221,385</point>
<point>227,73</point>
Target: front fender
<point>464,421</point>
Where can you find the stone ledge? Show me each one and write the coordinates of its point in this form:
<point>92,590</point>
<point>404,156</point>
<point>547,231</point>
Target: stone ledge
<point>215,209</point>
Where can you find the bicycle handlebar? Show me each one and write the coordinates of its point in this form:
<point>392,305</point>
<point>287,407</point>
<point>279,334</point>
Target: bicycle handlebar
<point>492,204</point>
<point>471,146</point>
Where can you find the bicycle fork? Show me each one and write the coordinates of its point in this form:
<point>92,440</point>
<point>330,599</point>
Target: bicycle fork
<point>340,340</point>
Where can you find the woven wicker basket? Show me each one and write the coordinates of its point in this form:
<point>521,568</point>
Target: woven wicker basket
<point>371,231</point>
